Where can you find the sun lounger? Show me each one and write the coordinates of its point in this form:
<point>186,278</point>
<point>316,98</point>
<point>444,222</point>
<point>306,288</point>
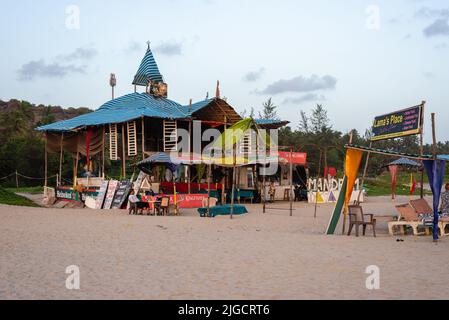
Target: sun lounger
<point>407,217</point>
<point>425,212</point>
<point>358,218</point>
<point>223,210</point>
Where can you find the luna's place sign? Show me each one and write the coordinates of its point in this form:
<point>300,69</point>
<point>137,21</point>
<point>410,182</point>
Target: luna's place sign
<point>398,124</point>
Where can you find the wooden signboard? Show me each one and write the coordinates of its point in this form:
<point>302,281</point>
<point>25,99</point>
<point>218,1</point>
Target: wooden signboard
<point>138,182</point>
<point>121,195</point>
<point>101,195</point>
<point>113,184</point>
<point>398,124</point>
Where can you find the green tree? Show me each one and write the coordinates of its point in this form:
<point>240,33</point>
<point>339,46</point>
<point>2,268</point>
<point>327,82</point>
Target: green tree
<point>269,111</point>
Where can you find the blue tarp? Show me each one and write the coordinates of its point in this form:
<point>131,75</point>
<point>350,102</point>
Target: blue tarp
<point>435,170</point>
<point>405,162</point>
<point>158,158</point>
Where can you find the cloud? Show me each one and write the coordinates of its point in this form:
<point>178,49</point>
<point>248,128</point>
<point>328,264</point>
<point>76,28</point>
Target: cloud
<point>169,48</point>
<point>441,46</point>
<point>134,46</point>
<point>254,75</point>
<point>437,28</point>
<point>80,54</point>
<point>305,98</point>
<point>40,69</point>
<point>428,75</point>
<point>429,13</point>
<point>301,84</point>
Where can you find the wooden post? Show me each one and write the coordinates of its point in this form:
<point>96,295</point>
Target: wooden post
<point>189,167</point>
<point>421,149</point>
<point>143,138</point>
<point>209,169</point>
<point>233,178</point>
<point>61,155</point>
<point>46,162</point>
<point>102,153</point>
<point>316,192</point>
<point>365,170</point>
<point>291,181</point>
<point>344,215</point>
<point>434,152</point>
<point>223,155</point>
<point>17,180</point>
<point>123,153</point>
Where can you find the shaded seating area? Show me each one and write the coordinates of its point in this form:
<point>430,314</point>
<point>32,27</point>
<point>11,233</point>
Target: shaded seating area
<point>223,210</point>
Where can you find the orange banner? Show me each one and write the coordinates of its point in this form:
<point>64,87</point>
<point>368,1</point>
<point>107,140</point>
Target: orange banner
<point>352,165</point>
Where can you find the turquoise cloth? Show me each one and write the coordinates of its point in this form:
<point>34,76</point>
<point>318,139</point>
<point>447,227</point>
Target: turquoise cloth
<point>223,210</point>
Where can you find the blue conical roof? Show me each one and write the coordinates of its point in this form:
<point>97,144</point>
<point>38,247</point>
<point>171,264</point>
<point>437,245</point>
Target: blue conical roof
<point>148,70</point>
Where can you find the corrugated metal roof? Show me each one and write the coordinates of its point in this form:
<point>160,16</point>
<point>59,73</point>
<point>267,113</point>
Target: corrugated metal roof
<point>405,162</point>
<point>129,107</point>
<point>148,70</point>
<point>126,108</point>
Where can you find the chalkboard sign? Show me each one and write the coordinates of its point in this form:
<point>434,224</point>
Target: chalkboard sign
<point>398,124</point>
<point>110,194</point>
<point>101,195</point>
<point>121,195</point>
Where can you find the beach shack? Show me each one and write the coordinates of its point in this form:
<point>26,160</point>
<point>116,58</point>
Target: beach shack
<point>138,125</point>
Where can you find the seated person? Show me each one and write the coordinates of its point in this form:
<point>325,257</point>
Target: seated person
<point>136,203</point>
<point>445,201</point>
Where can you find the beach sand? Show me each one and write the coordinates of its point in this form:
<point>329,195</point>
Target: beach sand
<point>256,256</point>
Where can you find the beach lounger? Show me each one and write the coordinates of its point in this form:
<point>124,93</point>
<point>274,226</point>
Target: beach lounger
<point>424,210</point>
<point>358,218</point>
<point>407,217</point>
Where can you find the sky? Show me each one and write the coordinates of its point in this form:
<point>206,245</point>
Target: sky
<point>358,58</point>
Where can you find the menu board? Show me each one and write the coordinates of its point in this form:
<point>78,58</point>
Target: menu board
<point>121,194</point>
<point>138,182</point>
<point>101,194</point>
<point>113,184</point>
<point>398,124</point>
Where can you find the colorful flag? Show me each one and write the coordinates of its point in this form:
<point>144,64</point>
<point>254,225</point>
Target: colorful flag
<point>394,173</point>
<point>412,184</point>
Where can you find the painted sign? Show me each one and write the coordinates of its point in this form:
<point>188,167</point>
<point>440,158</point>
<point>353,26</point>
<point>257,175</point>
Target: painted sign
<point>328,190</point>
<point>101,195</point>
<point>121,195</point>
<point>298,158</point>
<point>183,200</point>
<point>398,124</point>
<point>67,193</point>
<point>113,184</point>
<point>138,182</point>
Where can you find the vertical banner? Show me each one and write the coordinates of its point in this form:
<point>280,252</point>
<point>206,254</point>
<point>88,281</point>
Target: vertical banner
<point>394,175</point>
<point>337,209</point>
<point>435,171</point>
<point>352,165</point>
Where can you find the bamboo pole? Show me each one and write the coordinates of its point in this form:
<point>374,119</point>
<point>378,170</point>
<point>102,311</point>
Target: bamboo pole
<point>61,155</point>
<point>189,167</point>
<point>143,138</point>
<point>291,181</point>
<point>316,192</point>
<point>209,169</point>
<point>365,170</point>
<point>46,162</point>
<point>233,180</point>
<point>102,153</point>
<point>434,153</point>
<point>123,153</point>
<point>421,149</point>
<point>344,215</point>
<point>17,180</point>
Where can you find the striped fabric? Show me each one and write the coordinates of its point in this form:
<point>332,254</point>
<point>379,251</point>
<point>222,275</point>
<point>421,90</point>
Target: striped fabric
<point>148,71</point>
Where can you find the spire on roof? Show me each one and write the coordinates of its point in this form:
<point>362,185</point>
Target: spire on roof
<point>148,70</point>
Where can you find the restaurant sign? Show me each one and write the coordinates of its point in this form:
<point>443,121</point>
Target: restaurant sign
<point>398,124</point>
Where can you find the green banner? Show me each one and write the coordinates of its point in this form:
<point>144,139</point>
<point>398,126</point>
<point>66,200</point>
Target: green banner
<point>338,209</point>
